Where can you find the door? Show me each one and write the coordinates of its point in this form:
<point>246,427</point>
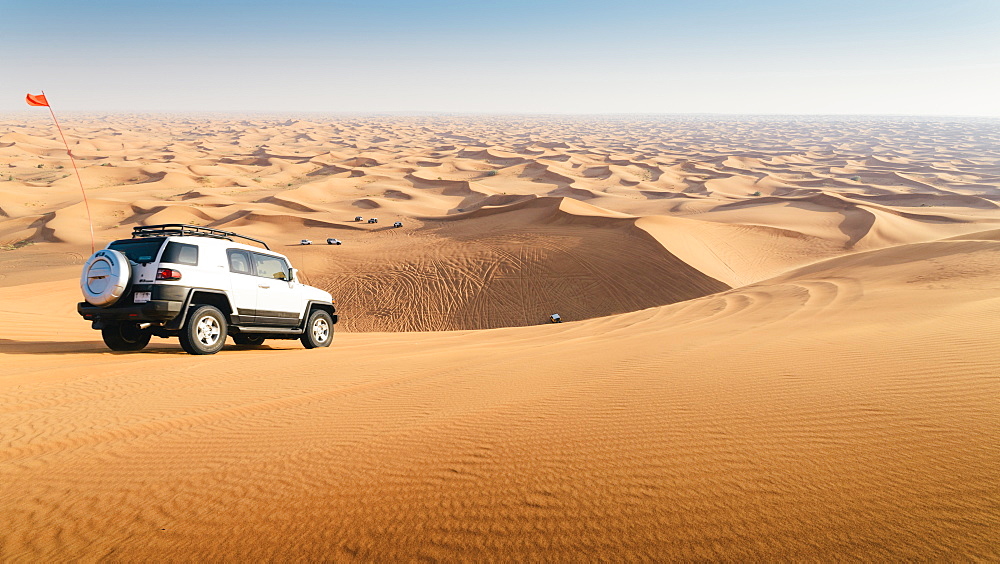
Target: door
<point>278,301</point>
<point>244,287</point>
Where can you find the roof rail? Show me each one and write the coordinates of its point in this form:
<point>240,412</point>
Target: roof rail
<point>184,230</point>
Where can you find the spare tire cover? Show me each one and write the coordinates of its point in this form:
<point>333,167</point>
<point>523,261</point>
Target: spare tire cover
<point>105,276</point>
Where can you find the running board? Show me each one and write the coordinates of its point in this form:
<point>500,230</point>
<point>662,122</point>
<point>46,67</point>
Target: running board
<point>272,330</point>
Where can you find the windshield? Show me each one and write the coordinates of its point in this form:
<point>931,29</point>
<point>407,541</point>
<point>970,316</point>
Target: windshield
<point>138,250</point>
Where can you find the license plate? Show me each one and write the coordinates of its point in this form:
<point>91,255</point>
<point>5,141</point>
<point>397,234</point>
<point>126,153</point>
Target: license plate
<point>142,297</point>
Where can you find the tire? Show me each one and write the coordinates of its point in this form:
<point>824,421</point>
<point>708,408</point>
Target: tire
<point>249,340</point>
<point>125,337</point>
<point>319,330</point>
<point>204,331</point>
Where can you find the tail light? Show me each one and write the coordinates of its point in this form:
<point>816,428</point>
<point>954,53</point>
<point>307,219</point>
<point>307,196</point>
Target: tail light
<point>167,274</point>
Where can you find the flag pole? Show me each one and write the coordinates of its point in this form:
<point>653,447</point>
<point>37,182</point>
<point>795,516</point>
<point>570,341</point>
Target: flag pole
<point>79,180</point>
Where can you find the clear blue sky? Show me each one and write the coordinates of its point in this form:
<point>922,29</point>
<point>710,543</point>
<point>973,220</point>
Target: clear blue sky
<point>699,56</point>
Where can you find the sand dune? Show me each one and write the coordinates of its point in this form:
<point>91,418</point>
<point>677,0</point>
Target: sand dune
<point>504,266</point>
<point>781,342</point>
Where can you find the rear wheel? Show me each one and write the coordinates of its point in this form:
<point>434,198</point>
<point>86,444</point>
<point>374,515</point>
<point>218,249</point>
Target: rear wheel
<point>250,340</point>
<point>319,330</point>
<point>204,331</point>
<point>125,337</point>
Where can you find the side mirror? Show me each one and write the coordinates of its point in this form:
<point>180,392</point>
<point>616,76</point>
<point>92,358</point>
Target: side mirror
<point>293,275</point>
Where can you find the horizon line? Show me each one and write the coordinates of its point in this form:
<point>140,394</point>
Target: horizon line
<point>436,113</point>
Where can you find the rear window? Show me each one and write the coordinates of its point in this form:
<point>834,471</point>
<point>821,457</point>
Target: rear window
<point>180,253</point>
<point>138,250</point>
<point>239,261</point>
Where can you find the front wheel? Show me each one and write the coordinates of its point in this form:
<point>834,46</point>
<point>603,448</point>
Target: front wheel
<point>125,337</point>
<point>319,330</point>
<point>205,331</point>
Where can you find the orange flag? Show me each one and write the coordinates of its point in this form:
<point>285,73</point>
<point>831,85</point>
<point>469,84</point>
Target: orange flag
<point>36,100</point>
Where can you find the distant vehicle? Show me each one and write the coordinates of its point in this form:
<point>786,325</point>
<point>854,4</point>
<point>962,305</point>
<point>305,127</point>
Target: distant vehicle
<point>198,284</point>
<point>305,242</point>
<point>359,218</point>
<point>332,241</point>
<point>373,220</point>
<point>398,224</point>
<point>554,318</point>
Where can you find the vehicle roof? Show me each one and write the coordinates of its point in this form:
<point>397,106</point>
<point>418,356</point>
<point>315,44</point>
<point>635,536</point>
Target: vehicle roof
<point>203,241</point>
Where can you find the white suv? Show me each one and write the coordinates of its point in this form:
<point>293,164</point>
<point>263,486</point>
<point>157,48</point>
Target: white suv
<point>200,285</point>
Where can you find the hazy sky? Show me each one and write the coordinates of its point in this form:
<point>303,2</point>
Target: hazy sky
<point>698,56</point>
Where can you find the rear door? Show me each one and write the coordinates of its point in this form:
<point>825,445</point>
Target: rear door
<point>244,286</point>
<point>142,254</point>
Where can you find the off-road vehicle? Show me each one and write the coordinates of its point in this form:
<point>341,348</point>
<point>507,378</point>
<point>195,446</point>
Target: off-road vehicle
<point>200,285</point>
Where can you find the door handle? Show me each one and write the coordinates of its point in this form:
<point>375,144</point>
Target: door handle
<point>262,286</point>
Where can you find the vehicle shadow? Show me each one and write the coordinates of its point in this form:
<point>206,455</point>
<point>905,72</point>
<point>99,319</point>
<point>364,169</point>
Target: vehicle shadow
<point>15,347</point>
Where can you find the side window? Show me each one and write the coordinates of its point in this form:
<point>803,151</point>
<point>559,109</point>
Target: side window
<point>270,267</point>
<point>239,261</point>
<point>180,253</point>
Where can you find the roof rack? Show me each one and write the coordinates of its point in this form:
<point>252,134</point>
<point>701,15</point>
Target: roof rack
<point>184,230</point>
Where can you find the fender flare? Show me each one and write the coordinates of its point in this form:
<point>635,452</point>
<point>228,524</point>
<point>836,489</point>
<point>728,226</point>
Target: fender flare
<point>329,307</point>
<point>178,322</point>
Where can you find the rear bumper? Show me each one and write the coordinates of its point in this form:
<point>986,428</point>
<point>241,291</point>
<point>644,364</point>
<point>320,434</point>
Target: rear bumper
<point>154,310</point>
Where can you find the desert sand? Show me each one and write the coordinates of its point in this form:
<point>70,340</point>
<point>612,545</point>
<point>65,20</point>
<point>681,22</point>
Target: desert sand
<point>781,342</point>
